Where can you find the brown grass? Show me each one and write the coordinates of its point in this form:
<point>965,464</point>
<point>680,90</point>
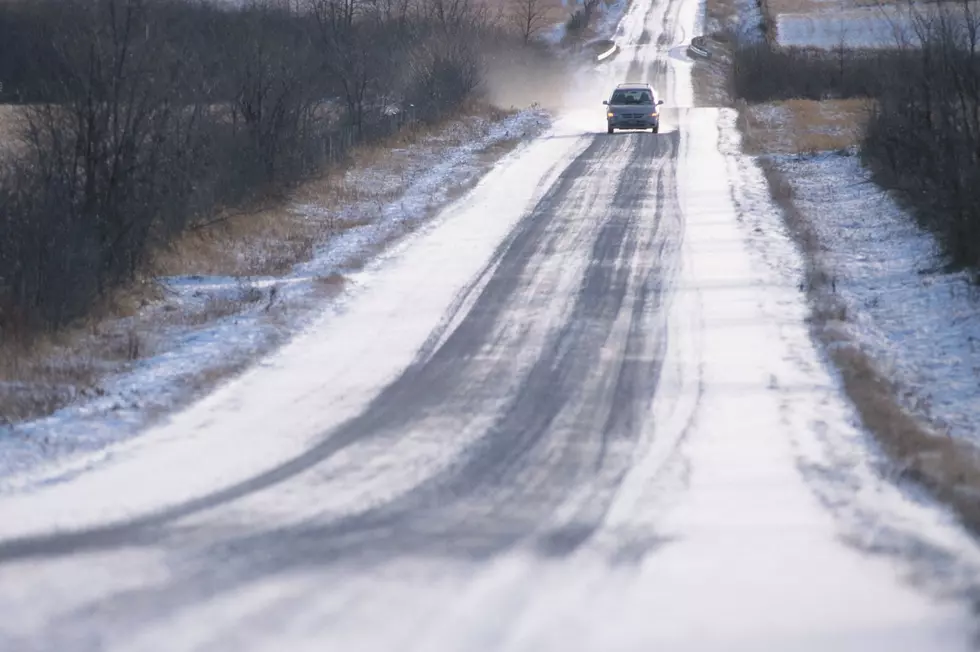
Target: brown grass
<point>266,240</point>
<point>802,126</point>
<point>269,240</point>
<point>55,370</point>
<point>948,468</point>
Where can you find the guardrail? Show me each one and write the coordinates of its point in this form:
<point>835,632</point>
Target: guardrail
<point>608,53</point>
<point>697,48</point>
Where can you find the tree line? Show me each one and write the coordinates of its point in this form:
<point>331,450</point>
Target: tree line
<point>144,117</point>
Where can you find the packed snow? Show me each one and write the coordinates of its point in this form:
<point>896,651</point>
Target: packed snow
<point>866,27</point>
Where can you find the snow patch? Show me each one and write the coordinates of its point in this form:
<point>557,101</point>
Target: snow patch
<point>922,324</point>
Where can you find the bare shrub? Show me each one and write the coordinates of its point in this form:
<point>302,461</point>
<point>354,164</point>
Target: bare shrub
<point>110,163</point>
<point>762,72</point>
<point>581,18</point>
<point>923,137</point>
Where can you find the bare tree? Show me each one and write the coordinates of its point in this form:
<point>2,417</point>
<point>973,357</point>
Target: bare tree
<point>356,52</point>
<point>273,73</point>
<point>530,17</point>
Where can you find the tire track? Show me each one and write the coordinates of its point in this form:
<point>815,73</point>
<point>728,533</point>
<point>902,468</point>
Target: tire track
<point>421,388</point>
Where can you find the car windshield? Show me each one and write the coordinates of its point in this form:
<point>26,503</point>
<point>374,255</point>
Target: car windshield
<point>638,96</point>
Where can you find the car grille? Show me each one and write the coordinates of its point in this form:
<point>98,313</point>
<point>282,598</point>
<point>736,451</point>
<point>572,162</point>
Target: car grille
<point>631,116</point>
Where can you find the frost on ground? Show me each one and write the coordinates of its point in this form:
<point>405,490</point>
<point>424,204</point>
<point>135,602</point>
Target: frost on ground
<point>204,328</point>
<point>803,126</point>
<point>863,27</point>
<point>610,14</point>
<point>922,324</point>
<point>831,24</point>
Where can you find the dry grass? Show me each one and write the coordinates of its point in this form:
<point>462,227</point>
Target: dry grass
<point>266,240</point>
<point>948,468</point>
<point>269,240</point>
<point>802,126</point>
<point>57,369</point>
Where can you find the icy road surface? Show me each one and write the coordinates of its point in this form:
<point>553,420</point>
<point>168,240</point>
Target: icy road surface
<point>579,413</point>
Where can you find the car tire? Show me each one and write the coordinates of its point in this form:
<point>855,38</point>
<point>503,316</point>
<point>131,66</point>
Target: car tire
<point>609,130</point>
<point>655,129</point>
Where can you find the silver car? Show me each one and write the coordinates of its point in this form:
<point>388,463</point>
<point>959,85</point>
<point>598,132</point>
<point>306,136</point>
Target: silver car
<point>632,107</point>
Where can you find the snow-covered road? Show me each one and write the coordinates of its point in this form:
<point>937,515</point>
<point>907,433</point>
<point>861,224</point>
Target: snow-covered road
<point>581,412</point>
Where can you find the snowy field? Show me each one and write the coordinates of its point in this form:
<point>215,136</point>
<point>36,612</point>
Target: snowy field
<point>869,27</point>
<point>829,24</point>
<point>923,324</point>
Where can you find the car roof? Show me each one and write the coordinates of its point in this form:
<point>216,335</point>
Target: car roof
<point>635,85</point>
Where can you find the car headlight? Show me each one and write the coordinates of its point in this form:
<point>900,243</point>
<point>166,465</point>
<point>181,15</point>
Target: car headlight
<point>610,114</point>
<point>654,114</point>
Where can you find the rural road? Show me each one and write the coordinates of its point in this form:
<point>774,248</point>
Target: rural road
<point>581,412</point>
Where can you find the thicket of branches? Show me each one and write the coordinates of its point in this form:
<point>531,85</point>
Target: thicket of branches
<point>923,135</point>
<point>582,17</point>
<point>923,138</point>
<point>146,116</point>
<point>763,73</point>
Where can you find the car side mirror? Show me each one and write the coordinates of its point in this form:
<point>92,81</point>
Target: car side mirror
<point>659,102</point>
<point>606,102</point>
